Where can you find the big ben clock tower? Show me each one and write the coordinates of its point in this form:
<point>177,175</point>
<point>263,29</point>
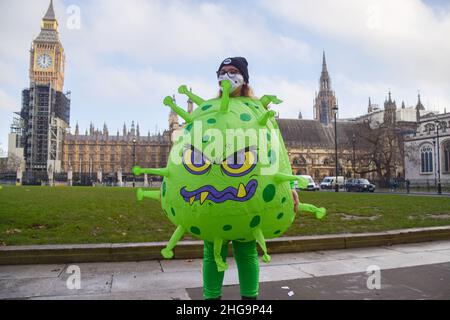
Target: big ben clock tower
<point>45,108</point>
<point>47,54</point>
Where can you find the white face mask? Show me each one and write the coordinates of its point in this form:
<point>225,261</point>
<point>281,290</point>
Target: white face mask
<point>236,80</point>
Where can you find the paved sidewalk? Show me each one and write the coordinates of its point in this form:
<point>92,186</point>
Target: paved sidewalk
<point>412,271</point>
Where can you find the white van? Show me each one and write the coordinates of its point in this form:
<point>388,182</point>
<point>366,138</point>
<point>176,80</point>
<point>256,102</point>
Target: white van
<point>329,182</point>
<point>312,185</point>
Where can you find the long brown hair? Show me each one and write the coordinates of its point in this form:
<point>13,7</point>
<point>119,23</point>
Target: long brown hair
<point>243,91</point>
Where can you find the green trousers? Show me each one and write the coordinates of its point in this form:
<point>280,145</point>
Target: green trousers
<point>247,263</point>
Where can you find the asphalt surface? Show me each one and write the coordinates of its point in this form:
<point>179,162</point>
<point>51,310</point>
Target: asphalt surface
<point>414,283</point>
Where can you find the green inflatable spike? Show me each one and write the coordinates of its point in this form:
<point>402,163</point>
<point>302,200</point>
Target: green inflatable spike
<point>283,177</point>
<point>196,99</point>
<point>320,213</point>
<point>259,236</point>
<point>168,101</point>
<point>264,118</point>
<point>221,265</point>
<point>154,194</point>
<point>167,252</point>
<point>225,101</point>
<point>266,100</point>
<point>163,172</point>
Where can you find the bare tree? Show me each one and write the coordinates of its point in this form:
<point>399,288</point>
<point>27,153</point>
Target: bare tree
<point>14,162</point>
<point>380,151</point>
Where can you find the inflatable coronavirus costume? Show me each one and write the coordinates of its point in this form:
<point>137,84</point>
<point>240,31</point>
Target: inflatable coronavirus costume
<point>218,191</point>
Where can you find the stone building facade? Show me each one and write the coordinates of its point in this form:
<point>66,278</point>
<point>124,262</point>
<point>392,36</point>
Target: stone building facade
<point>423,166</point>
<point>311,147</point>
<point>97,150</point>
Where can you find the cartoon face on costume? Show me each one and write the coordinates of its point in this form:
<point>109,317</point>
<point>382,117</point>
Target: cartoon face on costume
<point>220,187</point>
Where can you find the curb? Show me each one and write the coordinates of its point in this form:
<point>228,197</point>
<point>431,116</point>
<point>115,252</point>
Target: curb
<point>54,254</point>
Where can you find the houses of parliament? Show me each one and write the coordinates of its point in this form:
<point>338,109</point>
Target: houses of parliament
<point>42,136</point>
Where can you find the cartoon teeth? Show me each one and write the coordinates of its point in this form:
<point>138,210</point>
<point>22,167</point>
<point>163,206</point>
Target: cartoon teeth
<point>203,196</point>
<point>241,191</point>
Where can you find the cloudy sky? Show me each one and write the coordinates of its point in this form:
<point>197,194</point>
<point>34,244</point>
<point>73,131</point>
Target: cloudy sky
<point>126,56</point>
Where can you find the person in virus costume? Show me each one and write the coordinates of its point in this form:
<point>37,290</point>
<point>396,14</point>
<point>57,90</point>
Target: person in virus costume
<point>229,178</point>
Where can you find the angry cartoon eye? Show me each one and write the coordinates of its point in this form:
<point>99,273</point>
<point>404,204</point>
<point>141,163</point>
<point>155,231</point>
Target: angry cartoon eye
<point>195,162</point>
<point>240,163</point>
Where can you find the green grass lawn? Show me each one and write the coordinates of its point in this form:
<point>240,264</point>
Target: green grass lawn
<point>61,215</point>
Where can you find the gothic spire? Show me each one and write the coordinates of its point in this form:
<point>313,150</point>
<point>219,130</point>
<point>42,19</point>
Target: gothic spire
<point>50,15</point>
<point>370,108</point>
<point>324,63</point>
<point>419,105</point>
<point>325,81</point>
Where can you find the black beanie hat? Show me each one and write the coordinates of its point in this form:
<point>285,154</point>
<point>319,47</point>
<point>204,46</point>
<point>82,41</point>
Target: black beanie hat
<point>240,63</point>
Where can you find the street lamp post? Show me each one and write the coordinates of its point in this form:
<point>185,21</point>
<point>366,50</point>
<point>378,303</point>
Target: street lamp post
<point>435,162</point>
<point>90,171</point>
<point>335,109</point>
<point>134,160</point>
<point>438,157</point>
<point>354,158</point>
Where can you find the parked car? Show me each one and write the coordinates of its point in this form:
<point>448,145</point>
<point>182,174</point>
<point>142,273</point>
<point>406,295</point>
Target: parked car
<point>348,183</point>
<point>312,185</point>
<point>359,185</point>
<point>329,182</point>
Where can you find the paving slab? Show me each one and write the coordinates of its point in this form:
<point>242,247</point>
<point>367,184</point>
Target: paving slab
<point>31,271</point>
<point>171,294</point>
<point>28,288</point>
<point>446,252</point>
<point>118,267</point>
<point>417,247</point>
<point>410,259</point>
<point>281,272</point>
<point>295,258</point>
<point>231,277</point>
<point>325,268</point>
<point>356,253</point>
<point>151,281</point>
<point>181,265</point>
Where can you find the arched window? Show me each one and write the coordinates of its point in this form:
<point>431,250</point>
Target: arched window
<point>317,174</point>
<point>300,161</point>
<point>429,127</point>
<point>426,159</point>
<point>447,157</point>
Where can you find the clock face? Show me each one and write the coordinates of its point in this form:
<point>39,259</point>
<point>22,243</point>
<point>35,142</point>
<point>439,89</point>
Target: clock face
<point>44,61</point>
